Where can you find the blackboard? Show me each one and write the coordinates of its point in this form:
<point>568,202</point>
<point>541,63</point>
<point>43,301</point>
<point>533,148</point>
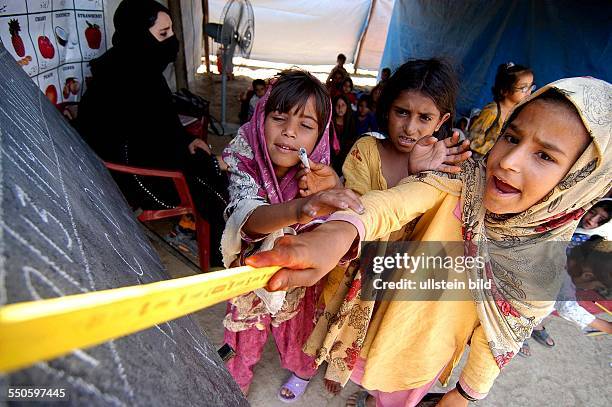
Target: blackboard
<point>66,229</point>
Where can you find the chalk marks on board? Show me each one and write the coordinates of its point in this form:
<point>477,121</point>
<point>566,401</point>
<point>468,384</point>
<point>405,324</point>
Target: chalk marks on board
<point>65,229</point>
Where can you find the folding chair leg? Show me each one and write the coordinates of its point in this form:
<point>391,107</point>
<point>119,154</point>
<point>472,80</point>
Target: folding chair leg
<point>203,235</point>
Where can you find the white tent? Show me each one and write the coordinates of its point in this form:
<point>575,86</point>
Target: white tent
<point>313,32</point>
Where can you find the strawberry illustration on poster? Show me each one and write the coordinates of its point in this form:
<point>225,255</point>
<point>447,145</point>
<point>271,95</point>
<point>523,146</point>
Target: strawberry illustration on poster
<point>90,26</point>
<point>70,80</point>
<point>15,38</point>
<point>41,32</point>
<point>66,36</point>
<point>49,84</point>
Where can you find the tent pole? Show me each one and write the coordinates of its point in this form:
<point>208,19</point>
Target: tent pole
<point>180,66</point>
<point>363,34</point>
<point>206,44</point>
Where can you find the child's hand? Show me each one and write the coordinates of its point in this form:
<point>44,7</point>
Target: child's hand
<point>320,177</point>
<point>325,202</point>
<point>602,325</point>
<point>307,257</point>
<point>198,144</point>
<point>439,155</point>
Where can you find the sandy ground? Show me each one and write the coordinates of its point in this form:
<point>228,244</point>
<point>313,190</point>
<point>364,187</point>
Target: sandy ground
<point>576,372</point>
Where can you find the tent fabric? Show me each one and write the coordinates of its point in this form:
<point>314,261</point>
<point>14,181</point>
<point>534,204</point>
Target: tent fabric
<point>556,38</point>
<point>307,31</point>
<point>373,42</point>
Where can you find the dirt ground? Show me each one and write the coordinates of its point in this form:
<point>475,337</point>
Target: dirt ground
<point>576,372</point>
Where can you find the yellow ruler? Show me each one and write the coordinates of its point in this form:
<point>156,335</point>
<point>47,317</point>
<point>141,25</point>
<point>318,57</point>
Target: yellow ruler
<point>35,331</point>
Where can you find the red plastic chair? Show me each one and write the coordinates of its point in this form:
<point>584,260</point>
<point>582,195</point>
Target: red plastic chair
<point>185,207</point>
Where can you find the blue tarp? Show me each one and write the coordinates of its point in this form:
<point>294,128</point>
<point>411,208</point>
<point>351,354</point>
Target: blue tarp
<point>556,38</point>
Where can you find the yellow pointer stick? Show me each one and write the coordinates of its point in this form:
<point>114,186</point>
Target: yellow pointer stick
<point>35,331</point>
<point>603,308</point>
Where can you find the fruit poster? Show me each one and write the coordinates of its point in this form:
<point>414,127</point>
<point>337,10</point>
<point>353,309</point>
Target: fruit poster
<point>53,41</point>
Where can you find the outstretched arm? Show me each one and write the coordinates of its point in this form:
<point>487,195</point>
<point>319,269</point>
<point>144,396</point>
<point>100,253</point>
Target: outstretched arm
<point>306,258</point>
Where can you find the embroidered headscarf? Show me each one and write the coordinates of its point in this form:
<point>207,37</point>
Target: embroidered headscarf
<point>511,245</point>
<point>249,151</point>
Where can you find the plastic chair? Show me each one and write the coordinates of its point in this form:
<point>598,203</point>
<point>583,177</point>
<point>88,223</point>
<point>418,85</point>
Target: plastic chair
<point>185,206</point>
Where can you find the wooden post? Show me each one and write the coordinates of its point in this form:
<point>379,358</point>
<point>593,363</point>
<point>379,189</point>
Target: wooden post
<point>206,42</point>
<point>180,67</point>
<point>363,36</point>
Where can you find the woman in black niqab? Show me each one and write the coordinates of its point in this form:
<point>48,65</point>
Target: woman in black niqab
<point>127,116</point>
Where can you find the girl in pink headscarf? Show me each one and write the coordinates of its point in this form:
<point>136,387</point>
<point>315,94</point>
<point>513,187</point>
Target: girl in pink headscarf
<point>272,194</point>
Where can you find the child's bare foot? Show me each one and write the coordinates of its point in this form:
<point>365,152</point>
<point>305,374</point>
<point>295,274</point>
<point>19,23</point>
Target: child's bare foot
<point>361,399</point>
<point>333,387</point>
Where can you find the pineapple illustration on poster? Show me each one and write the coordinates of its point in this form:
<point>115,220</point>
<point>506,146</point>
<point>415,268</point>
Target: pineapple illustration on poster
<point>70,80</point>
<point>49,84</point>
<point>66,36</point>
<point>15,38</point>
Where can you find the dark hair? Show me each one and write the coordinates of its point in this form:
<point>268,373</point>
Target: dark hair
<point>293,89</point>
<point>434,78</point>
<point>461,119</point>
<point>595,254</point>
<point>349,130</point>
<point>605,205</point>
<point>387,70</point>
<point>258,82</point>
<point>366,98</point>
<point>341,57</point>
<point>335,100</point>
<point>349,80</point>
<point>505,79</point>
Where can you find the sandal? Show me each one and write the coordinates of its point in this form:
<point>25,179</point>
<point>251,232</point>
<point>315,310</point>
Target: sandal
<point>525,350</point>
<point>362,397</point>
<point>296,386</point>
<point>542,337</point>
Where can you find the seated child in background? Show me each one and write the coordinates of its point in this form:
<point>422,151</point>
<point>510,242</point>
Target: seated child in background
<point>249,99</point>
<point>259,86</point>
<point>587,268</point>
<point>344,131</point>
<point>347,90</point>
<point>513,83</point>
<point>385,74</point>
<point>365,118</point>
<point>595,222</point>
